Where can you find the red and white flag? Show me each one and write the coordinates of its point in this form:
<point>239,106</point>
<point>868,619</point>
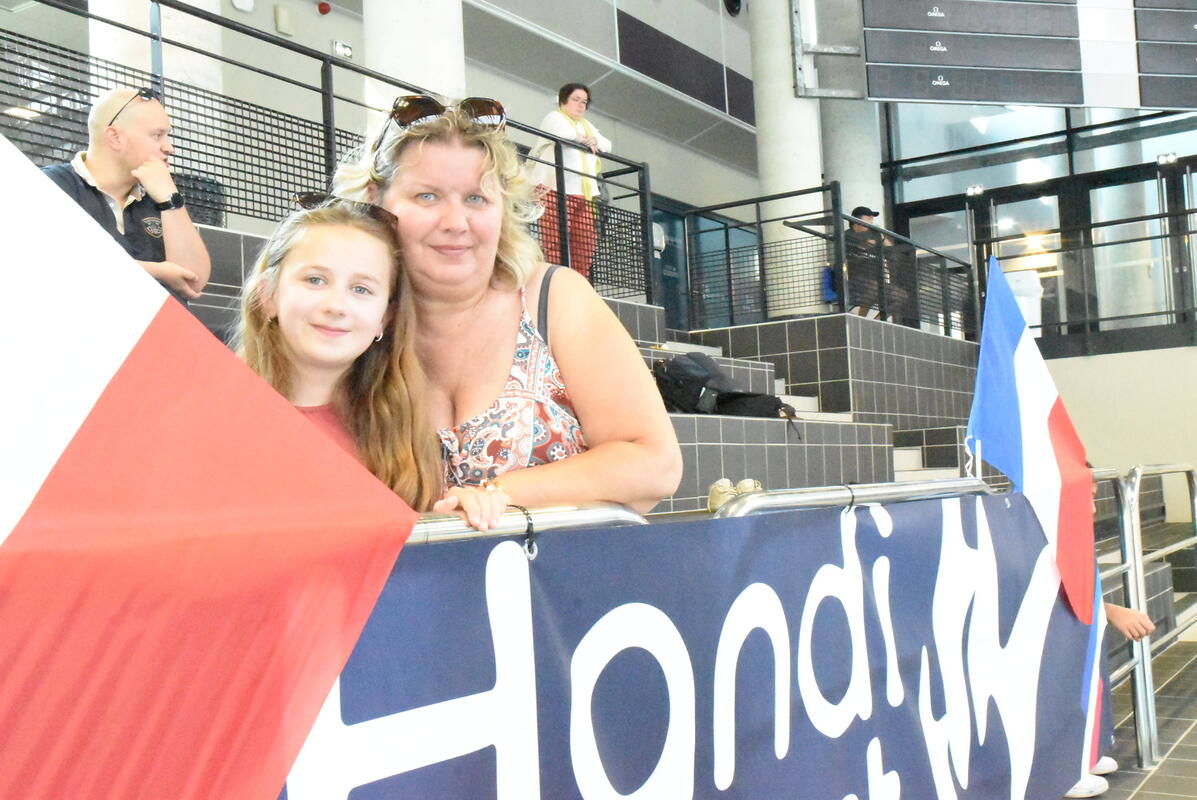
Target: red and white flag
<point>185,561</point>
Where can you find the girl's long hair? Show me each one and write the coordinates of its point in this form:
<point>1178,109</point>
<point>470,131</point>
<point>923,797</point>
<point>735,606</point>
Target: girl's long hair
<point>366,174</point>
<point>382,397</point>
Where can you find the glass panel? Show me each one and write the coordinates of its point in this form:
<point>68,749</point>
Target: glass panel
<point>945,232</point>
<point>1137,142</point>
<point>926,128</point>
<point>1131,276</point>
<point>1009,166</point>
<point>1032,260</point>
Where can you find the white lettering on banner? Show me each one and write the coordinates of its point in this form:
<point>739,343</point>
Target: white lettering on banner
<point>894,693</point>
<point>757,607</point>
<point>882,785</point>
<point>336,758</point>
<point>634,625</point>
<point>846,585</point>
<point>1008,675</point>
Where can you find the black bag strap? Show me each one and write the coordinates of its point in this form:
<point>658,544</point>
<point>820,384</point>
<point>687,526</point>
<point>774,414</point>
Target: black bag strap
<point>542,307</point>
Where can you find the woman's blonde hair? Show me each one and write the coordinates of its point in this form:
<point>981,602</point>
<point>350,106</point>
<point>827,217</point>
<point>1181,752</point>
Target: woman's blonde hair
<point>381,398</point>
<point>366,174</point>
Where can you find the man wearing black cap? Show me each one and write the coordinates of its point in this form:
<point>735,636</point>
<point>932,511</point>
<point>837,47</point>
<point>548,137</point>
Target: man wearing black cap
<point>865,263</point>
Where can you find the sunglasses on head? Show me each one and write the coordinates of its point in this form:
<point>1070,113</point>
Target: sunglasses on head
<point>143,93</point>
<point>413,110</point>
<point>310,200</point>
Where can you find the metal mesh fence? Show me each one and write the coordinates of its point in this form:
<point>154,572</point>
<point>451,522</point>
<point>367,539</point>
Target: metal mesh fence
<point>728,286</point>
<point>230,155</point>
<point>233,156</point>
<point>606,244</point>
<point>908,285</point>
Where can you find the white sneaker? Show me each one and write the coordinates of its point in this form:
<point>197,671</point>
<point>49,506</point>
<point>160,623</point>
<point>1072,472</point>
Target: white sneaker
<point>1089,786</point>
<point>720,492</point>
<point>1104,766</point>
<point>748,485</point>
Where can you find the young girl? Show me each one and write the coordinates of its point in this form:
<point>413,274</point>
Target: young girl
<point>325,320</point>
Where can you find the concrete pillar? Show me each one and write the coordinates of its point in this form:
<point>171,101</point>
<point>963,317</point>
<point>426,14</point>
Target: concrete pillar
<point>417,41</point>
<point>850,128</point>
<point>113,44</point>
<point>130,50</point>
<point>787,142</point>
<point>852,152</point>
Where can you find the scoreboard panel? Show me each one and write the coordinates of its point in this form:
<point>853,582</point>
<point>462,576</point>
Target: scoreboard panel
<point>1106,53</point>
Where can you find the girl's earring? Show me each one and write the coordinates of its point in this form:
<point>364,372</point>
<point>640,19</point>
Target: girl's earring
<point>378,338</point>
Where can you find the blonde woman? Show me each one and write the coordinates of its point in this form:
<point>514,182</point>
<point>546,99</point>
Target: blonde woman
<point>538,394</point>
<point>325,320</point>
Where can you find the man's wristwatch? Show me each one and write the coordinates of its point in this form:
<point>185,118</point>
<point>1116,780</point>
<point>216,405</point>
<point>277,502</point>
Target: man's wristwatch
<point>175,201</point>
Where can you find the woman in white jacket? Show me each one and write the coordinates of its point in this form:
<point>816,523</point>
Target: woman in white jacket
<point>581,187</point>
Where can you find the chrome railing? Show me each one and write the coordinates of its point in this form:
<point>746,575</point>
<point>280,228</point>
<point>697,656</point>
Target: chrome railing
<point>442,528</point>
<point>781,499</point>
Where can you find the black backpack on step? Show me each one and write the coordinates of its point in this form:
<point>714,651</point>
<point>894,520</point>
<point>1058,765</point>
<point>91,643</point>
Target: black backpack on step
<point>693,383</point>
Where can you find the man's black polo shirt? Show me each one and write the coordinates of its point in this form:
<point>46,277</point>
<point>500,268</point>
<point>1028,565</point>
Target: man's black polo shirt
<point>142,238</point>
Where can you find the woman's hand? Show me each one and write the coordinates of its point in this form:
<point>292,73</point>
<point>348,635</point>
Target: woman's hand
<point>480,507</point>
<point>590,142</point>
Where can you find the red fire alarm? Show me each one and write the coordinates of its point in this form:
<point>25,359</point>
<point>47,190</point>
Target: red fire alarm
<point>323,8</point>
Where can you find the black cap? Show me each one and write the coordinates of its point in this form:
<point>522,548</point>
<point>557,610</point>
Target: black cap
<point>864,211</point>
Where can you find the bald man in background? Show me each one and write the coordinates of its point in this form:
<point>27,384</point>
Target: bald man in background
<point>123,181</point>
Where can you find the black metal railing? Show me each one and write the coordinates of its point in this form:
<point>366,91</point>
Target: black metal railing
<point>749,266</point>
<point>1112,275</point>
<point>237,157</point>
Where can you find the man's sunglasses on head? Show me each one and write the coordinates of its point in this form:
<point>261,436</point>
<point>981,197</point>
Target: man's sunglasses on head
<point>143,93</point>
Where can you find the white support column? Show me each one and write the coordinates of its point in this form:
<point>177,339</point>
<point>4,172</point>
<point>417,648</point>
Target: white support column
<point>417,41</point>
<point>787,138</point>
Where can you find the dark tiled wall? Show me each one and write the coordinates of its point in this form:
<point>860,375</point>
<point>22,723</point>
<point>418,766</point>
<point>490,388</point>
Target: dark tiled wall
<point>909,378</point>
<point>881,372</point>
<point>645,323</point>
<point>232,255</point>
<point>776,453</point>
<point>944,448</point>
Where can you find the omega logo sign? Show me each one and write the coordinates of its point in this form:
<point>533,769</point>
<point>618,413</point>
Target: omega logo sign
<point>938,48</point>
<point>940,81</point>
<point>935,12</point>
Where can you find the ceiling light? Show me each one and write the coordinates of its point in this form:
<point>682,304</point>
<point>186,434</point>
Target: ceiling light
<point>1163,159</point>
<point>975,190</point>
<point>1005,224</point>
<point>1031,170</point>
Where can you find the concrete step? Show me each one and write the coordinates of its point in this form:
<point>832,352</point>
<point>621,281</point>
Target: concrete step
<point>901,475</point>
<point>906,458</point>
<point>825,416</point>
<point>802,404</point>
<point>685,347</point>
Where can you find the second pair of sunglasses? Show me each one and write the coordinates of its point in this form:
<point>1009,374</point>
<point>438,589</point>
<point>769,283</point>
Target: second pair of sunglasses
<point>413,110</point>
<point>310,200</point>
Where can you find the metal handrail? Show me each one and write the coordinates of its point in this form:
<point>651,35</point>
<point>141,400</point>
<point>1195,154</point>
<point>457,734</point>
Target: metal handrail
<point>1145,695</point>
<point>1138,668</point>
<point>821,496</point>
<point>443,528</point>
<point>890,234</point>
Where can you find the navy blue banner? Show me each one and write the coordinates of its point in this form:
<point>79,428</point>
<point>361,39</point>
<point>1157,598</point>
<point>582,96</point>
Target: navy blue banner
<point>913,650</point>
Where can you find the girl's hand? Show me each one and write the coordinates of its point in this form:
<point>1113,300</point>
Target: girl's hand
<point>480,507</point>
